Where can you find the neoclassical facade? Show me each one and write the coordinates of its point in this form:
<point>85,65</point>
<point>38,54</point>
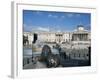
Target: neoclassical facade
<point>78,36</point>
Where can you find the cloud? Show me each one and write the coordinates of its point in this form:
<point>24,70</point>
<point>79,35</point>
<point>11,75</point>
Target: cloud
<point>70,15</point>
<point>78,15</point>
<point>58,30</point>
<point>63,17</point>
<point>49,15</point>
<point>38,12</point>
<point>43,29</point>
<point>52,16</point>
<point>36,28</point>
<point>27,28</point>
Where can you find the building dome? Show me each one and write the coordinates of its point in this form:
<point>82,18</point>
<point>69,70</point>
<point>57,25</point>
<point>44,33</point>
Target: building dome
<point>80,28</point>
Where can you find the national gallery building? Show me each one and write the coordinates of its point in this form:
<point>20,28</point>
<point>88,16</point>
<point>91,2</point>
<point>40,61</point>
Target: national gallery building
<point>78,36</point>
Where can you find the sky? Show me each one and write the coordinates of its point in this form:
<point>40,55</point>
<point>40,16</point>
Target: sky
<point>54,21</point>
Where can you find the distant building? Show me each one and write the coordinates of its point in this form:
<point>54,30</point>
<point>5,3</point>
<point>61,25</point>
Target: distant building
<point>79,36</point>
<point>29,35</point>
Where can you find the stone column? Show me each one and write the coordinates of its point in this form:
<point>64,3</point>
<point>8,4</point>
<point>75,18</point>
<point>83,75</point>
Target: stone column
<point>85,37</point>
<point>81,36</point>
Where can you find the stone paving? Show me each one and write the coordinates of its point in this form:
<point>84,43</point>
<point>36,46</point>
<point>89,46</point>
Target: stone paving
<point>36,65</point>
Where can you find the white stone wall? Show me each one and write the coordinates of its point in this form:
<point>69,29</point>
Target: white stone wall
<point>66,37</point>
<point>30,38</point>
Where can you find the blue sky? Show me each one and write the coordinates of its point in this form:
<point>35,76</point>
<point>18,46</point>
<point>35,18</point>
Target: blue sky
<point>54,21</point>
